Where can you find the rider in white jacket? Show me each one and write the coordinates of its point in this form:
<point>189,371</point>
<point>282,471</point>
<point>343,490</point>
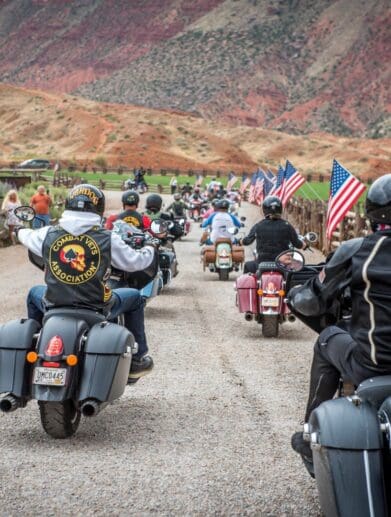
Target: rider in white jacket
<point>220,221</point>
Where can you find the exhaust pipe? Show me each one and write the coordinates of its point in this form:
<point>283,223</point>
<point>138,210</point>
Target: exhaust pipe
<point>291,318</point>
<point>9,403</point>
<point>91,407</point>
<point>248,316</point>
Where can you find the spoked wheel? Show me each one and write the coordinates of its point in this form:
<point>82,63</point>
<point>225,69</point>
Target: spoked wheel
<point>270,326</point>
<point>59,419</point>
<point>223,274</point>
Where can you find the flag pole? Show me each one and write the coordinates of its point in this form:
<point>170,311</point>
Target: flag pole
<point>313,191</point>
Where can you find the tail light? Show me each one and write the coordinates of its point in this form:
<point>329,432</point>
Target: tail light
<point>55,347</point>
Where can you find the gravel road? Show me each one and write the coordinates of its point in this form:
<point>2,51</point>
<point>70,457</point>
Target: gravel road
<point>207,433</point>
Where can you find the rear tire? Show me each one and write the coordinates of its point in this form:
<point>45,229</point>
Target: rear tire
<point>270,326</point>
<point>59,419</point>
<point>223,274</point>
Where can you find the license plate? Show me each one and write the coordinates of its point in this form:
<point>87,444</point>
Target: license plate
<point>49,376</point>
<point>270,302</point>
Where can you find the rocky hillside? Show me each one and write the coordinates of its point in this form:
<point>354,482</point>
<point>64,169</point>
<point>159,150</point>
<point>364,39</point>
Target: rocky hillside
<point>292,65</point>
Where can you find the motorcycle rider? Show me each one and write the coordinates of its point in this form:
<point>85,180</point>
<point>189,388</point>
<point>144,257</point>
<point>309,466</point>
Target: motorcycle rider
<point>178,206</point>
<point>197,196</point>
<point>362,351</point>
<point>78,254</point>
<point>273,235</point>
<point>153,206</point>
<point>220,221</point>
<point>130,201</point>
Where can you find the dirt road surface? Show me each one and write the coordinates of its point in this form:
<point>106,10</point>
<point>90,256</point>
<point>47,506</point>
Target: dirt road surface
<point>207,433</point>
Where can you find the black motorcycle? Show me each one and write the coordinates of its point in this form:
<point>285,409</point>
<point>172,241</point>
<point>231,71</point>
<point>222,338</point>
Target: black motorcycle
<point>74,364</point>
<point>350,436</point>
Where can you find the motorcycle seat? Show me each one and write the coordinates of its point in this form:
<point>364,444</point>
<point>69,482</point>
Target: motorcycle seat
<point>88,315</point>
<point>266,266</point>
<point>223,241</point>
<point>375,390</point>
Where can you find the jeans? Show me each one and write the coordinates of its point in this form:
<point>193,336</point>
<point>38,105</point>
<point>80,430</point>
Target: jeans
<point>41,220</point>
<point>126,301</point>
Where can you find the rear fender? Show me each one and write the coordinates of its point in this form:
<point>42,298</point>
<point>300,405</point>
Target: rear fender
<point>223,250</point>
<point>272,283</point>
<point>71,331</point>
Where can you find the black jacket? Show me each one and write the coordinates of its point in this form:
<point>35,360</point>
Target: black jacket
<point>364,266</point>
<point>273,236</point>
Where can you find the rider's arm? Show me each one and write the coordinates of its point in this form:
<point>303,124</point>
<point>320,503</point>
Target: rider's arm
<point>250,238</point>
<point>110,220</point>
<point>208,221</point>
<point>236,221</point>
<point>126,258</point>
<point>294,238</point>
<point>33,239</point>
<point>315,296</point>
<point>146,222</point>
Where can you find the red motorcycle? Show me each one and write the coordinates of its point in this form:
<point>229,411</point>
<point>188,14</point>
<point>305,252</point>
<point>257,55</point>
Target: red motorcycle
<point>262,296</point>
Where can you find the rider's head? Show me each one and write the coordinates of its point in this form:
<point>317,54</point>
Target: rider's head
<point>378,202</point>
<point>223,205</point>
<point>272,207</point>
<point>85,198</point>
<point>154,203</point>
<point>130,198</point>
<point>197,190</point>
<point>177,197</point>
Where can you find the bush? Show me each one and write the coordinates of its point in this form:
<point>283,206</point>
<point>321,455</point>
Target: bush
<point>190,173</point>
<point>101,161</point>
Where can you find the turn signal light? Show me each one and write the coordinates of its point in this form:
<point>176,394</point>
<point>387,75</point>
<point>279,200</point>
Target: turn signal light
<point>281,293</point>
<point>260,292</point>
<point>72,360</point>
<point>31,357</point>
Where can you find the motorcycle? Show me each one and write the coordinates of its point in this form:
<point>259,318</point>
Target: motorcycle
<point>167,257</point>
<point>223,256</point>
<point>262,296</point>
<point>149,283</point>
<point>196,209</point>
<point>74,364</point>
<point>350,438</point>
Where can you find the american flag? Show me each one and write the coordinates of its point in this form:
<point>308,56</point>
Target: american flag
<point>293,180</point>
<point>199,180</point>
<point>345,190</point>
<point>270,176</point>
<point>279,185</point>
<point>258,194</point>
<point>232,179</point>
<point>268,184</point>
<point>246,180</point>
<point>251,193</point>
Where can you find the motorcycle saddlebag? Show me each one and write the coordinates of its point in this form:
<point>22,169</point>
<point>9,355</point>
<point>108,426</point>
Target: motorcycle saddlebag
<point>237,254</point>
<point>347,446</point>
<point>209,255</point>
<point>165,259</point>
<point>246,293</point>
<point>107,359</point>
<point>16,338</point>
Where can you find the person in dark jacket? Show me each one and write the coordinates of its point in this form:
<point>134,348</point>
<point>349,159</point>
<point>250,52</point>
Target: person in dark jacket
<point>273,235</point>
<point>130,202</point>
<point>364,350</point>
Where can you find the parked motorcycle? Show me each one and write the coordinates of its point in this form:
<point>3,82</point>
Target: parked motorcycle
<point>350,438</point>
<point>262,296</point>
<point>73,365</point>
<point>223,256</point>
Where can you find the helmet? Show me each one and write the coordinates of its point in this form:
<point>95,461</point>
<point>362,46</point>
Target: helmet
<point>177,197</point>
<point>85,198</point>
<point>223,204</point>
<point>197,189</point>
<point>215,202</point>
<point>154,202</point>
<point>378,202</point>
<point>130,197</point>
<point>272,207</point>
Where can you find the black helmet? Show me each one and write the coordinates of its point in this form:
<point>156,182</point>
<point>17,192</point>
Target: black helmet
<point>130,197</point>
<point>85,198</point>
<point>154,202</point>
<point>272,207</point>
<point>223,204</point>
<point>177,197</point>
<point>378,202</point>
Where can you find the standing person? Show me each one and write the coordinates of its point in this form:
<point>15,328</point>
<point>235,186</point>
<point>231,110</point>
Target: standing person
<point>11,201</point>
<point>41,202</point>
<point>173,185</point>
<point>78,254</point>
<point>273,235</point>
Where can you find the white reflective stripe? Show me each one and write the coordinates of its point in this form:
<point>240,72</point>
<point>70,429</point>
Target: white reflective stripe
<point>366,296</point>
<point>368,481</point>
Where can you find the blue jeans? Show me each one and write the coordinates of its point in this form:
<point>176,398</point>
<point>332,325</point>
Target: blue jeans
<point>41,220</point>
<point>127,301</point>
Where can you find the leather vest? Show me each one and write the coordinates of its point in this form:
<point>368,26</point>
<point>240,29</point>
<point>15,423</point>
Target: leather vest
<point>132,217</point>
<point>371,297</point>
<point>77,267</point>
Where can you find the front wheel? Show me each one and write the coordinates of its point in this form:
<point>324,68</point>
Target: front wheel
<point>270,326</point>
<point>59,419</point>
<point>223,274</point>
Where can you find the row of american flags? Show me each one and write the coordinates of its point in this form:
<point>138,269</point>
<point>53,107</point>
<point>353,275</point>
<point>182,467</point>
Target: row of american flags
<point>345,189</point>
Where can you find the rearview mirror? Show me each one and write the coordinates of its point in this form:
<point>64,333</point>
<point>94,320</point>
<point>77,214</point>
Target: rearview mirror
<point>159,226</point>
<point>290,261</point>
<point>25,213</point>
<point>311,237</point>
